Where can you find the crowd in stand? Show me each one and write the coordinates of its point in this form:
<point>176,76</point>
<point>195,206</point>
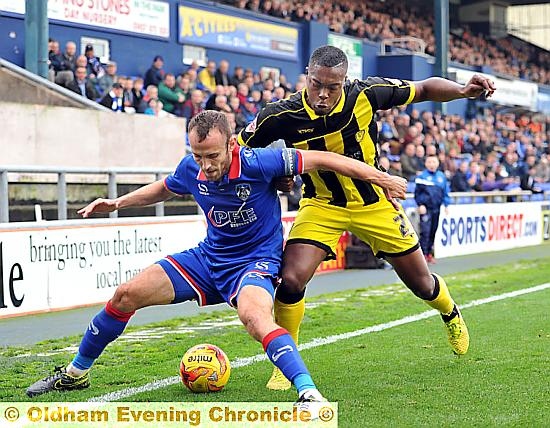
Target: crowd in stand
<point>492,151</point>
<point>487,152</point>
<point>389,19</point>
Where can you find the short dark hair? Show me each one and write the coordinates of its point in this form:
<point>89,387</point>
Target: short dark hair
<point>207,120</point>
<point>328,56</point>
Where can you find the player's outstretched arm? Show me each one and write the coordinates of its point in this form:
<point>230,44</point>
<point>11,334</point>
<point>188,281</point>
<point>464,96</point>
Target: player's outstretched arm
<point>146,195</point>
<point>441,90</point>
<point>394,187</point>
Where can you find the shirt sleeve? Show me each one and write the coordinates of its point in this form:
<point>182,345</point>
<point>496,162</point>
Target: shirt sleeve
<point>387,93</point>
<point>280,162</point>
<point>177,182</point>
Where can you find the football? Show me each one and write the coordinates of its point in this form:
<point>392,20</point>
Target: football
<point>204,368</point>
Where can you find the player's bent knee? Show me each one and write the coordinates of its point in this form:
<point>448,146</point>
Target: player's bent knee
<point>423,287</point>
<point>294,282</point>
<point>123,299</point>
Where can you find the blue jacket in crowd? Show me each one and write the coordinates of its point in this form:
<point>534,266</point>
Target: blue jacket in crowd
<point>432,190</point>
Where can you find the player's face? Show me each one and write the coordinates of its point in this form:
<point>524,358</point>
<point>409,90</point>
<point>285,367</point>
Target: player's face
<point>213,154</point>
<point>324,88</point>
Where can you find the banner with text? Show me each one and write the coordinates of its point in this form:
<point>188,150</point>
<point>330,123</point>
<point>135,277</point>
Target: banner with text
<point>204,28</point>
<point>508,93</point>
<point>63,265</point>
<point>149,17</point>
<point>479,228</point>
<point>353,48</point>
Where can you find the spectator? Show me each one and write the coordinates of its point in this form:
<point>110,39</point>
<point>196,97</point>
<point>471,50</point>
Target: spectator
<point>278,94</point>
<point>490,183</point>
<point>395,167</point>
<point>528,180</point>
<point>150,94</point>
<point>106,81</point>
<point>168,94</point>
<point>238,76</point>
<point>243,91</point>
<point>542,171</point>
<point>211,101</point>
<point>247,114</point>
<point>94,68</point>
<point>193,106</point>
<point>220,104</point>
<point>82,85</point>
<point>155,74</point>
<point>207,77</point>
<point>137,93</point>
<point>54,59</point>
<point>474,176</point>
<point>67,65</point>
<point>235,104</point>
<point>222,74</point>
<point>128,95</point>
<point>409,162</point>
<point>114,99</point>
<point>459,182</point>
<point>156,108</point>
<point>194,82</point>
<point>184,87</point>
<point>431,191</point>
<point>231,120</point>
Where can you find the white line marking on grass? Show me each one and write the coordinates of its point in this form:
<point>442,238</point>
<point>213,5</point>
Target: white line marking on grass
<point>243,362</point>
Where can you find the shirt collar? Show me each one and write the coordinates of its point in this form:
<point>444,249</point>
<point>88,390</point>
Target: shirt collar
<point>234,167</point>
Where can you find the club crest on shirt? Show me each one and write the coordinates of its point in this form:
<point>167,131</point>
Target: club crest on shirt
<point>251,127</point>
<point>359,135</point>
<point>243,191</point>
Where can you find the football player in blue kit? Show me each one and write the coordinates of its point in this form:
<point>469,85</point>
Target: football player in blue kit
<point>239,260</point>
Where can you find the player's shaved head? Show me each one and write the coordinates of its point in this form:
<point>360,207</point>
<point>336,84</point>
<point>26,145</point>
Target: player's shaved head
<point>328,56</point>
<point>206,121</point>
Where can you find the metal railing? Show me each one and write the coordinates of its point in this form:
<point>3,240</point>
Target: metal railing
<point>114,173</point>
<point>407,43</point>
<point>61,172</point>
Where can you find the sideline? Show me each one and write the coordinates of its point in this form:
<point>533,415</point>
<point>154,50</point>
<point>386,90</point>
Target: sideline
<point>243,362</point>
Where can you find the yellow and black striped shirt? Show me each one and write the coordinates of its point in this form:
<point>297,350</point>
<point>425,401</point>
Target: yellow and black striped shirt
<point>349,129</point>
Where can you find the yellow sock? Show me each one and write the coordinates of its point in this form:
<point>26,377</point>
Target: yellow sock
<point>290,316</point>
<point>443,302</point>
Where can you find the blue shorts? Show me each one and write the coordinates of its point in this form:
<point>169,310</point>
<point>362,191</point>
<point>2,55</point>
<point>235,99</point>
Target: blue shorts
<point>194,277</point>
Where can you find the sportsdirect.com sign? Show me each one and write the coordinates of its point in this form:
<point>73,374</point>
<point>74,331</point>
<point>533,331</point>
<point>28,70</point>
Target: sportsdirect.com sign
<point>479,228</point>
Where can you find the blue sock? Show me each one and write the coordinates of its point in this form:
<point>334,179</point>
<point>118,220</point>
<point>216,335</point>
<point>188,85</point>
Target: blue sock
<point>105,327</point>
<point>282,352</point>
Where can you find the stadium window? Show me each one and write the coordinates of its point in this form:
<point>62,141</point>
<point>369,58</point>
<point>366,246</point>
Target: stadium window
<point>194,53</point>
<point>101,48</point>
<point>270,72</point>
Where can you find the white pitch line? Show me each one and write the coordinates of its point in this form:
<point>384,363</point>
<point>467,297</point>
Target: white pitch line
<point>243,362</point>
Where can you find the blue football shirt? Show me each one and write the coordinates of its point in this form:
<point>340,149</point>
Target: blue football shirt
<point>242,209</point>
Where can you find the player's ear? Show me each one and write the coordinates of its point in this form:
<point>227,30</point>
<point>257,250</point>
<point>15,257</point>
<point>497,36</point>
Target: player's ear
<point>232,142</point>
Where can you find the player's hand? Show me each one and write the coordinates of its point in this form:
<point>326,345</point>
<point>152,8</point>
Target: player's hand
<point>284,184</point>
<point>478,85</point>
<point>396,186</point>
<point>100,205</point>
<point>422,210</point>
